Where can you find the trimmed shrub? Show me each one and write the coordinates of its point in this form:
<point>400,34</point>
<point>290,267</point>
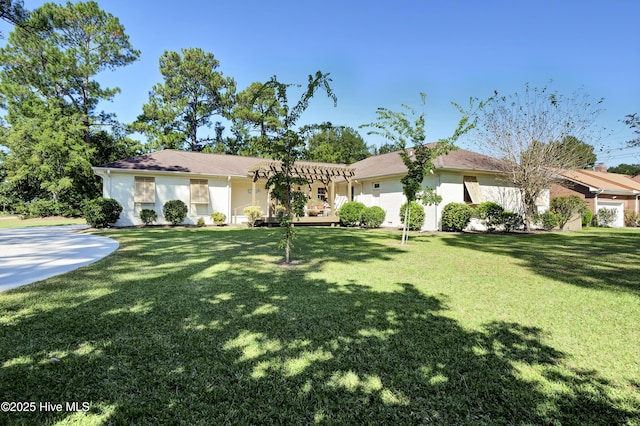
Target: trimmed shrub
<point>456,216</point>
<point>147,216</point>
<point>373,217</point>
<point>200,222</point>
<point>511,221</point>
<point>416,215</point>
<point>218,218</point>
<point>350,213</point>
<point>547,220</point>
<point>587,217</point>
<point>631,218</point>
<point>567,207</point>
<point>491,214</point>
<point>253,213</point>
<point>605,217</point>
<point>175,211</point>
<point>101,212</point>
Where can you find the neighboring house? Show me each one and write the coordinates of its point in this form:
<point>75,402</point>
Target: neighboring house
<point>212,182</point>
<point>601,189</point>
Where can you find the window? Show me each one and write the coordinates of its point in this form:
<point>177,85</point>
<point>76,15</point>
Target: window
<point>145,190</point>
<point>376,186</point>
<point>322,194</point>
<point>199,191</point>
<point>472,191</point>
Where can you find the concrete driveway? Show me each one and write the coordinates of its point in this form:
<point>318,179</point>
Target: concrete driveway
<point>33,254</point>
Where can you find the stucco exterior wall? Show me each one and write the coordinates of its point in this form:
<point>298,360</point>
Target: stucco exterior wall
<point>449,185</point>
<point>121,186</point>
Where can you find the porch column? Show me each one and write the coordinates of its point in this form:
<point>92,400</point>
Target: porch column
<point>349,190</point>
<point>253,193</point>
<point>332,198</point>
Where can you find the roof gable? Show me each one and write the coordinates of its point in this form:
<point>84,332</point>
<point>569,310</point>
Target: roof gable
<point>459,159</point>
<point>602,180</point>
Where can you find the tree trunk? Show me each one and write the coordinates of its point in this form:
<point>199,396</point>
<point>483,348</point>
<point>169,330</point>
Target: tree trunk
<point>406,225</point>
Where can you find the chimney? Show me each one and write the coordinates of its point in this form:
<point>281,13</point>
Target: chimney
<point>600,167</point>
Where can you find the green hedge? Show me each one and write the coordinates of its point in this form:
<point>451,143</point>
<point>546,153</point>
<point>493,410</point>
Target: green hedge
<point>456,216</point>
<point>373,217</point>
<point>416,215</point>
<point>102,212</point>
<point>175,211</point>
<point>351,212</point>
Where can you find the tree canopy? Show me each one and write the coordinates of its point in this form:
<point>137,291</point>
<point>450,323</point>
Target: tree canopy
<point>625,169</point>
<point>192,93</point>
<point>334,144</point>
<point>13,12</point>
<point>531,132</point>
<point>633,121</point>
<point>50,91</point>
<point>571,146</point>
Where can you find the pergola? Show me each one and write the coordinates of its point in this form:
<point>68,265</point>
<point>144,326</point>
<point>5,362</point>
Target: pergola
<point>313,172</point>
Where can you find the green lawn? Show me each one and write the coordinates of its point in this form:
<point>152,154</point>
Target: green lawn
<point>204,326</point>
<point>15,222</point>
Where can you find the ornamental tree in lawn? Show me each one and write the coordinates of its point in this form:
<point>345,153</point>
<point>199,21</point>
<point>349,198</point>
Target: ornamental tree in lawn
<point>408,128</point>
<point>284,144</point>
<point>526,131</point>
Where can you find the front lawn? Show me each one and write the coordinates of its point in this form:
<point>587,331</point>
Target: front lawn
<point>204,326</point>
<point>16,222</point>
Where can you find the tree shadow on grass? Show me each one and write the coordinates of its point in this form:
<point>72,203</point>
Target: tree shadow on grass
<point>598,260</point>
<point>210,343</point>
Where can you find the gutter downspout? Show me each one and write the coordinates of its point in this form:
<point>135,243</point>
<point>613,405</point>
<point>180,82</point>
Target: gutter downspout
<point>229,199</point>
<point>109,183</point>
<point>595,207</point>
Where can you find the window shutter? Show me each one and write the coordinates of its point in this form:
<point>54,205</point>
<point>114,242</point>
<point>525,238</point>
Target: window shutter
<point>199,191</point>
<point>473,189</point>
<point>145,190</point>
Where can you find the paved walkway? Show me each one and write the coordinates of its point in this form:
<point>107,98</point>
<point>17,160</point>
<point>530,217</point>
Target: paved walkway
<point>33,254</point>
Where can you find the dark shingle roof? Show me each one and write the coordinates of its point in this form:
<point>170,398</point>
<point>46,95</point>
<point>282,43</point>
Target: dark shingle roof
<point>170,160</point>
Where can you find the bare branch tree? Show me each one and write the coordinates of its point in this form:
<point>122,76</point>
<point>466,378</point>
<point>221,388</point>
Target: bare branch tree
<point>526,131</point>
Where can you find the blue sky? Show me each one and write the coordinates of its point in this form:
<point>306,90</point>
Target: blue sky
<point>383,53</point>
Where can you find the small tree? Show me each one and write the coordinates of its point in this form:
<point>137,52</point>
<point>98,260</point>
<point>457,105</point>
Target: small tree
<point>175,211</point>
<point>285,145</point>
<point>566,208</point>
<point>526,131</point>
<point>407,127</point>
